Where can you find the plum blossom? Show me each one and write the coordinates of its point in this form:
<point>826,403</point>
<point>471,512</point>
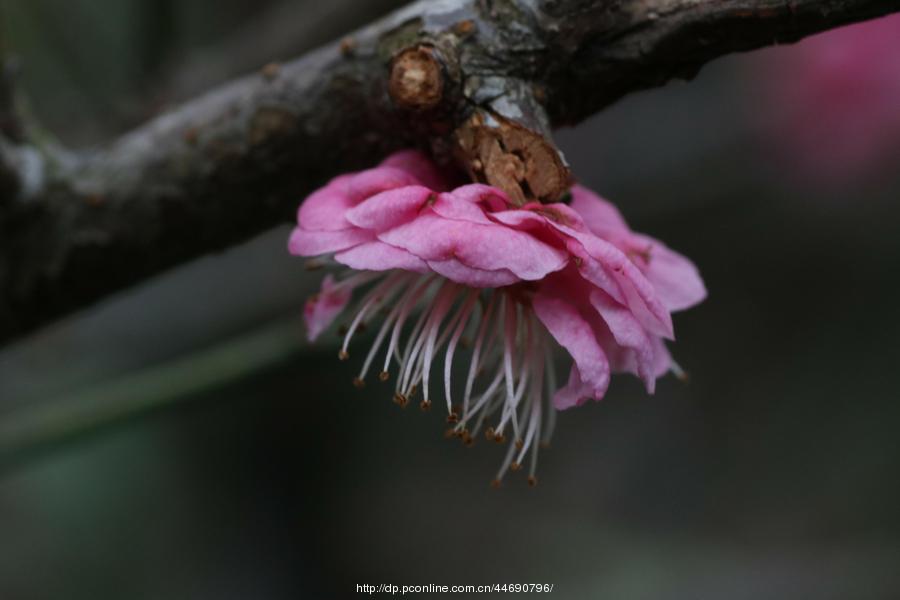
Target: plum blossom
<point>831,102</point>
<point>445,267</point>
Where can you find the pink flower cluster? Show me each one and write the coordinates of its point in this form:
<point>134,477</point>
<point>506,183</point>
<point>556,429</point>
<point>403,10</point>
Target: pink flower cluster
<point>445,265</point>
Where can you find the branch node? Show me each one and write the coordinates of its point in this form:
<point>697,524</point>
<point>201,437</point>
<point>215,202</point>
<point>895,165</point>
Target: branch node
<point>270,122</point>
<point>417,79</point>
<point>270,71</point>
<point>348,46</point>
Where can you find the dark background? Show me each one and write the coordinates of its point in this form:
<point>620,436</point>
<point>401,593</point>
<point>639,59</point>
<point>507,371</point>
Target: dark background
<point>258,471</point>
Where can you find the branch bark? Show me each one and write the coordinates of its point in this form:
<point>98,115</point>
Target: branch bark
<point>237,160</point>
<point>289,28</point>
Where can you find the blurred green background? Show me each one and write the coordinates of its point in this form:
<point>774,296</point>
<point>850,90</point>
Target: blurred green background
<point>245,465</point>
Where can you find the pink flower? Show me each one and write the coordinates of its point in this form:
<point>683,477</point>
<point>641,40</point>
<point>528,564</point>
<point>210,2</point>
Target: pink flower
<point>446,265</point>
<point>831,101</point>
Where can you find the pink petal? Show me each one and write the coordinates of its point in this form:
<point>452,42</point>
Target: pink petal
<point>324,209</point>
<point>566,324</point>
<point>574,393</point>
<point>454,270</point>
<point>321,309</point>
<point>535,214</point>
<point>623,359</point>
<point>675,278</point>
<point>600,216</point>
<point>636,291</point>
<point>449,206</point>
<point>390,208</point>
<point>473,202</point>
<point>314,243</point>
<point>518,218</point>
<point>374,181</point>
<point>662,360</point>
<point>487,197</point>
<point>593,271</point>
<point>486,247</point>
<point>378,256</point>
<point>646,305</point>
<point>628,333</point>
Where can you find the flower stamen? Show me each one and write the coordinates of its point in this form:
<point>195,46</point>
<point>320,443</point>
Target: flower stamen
<point>509,345</point>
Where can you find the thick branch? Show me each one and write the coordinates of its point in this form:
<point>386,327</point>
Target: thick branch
<point>289,28</point>
<point>238,160</point>
<point>621,46</point>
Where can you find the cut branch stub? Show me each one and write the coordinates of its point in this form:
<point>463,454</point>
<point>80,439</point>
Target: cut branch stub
<point>417,80</point>
<point>505,154</point>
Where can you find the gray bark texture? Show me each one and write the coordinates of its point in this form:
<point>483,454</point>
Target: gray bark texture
<point>76,226</point>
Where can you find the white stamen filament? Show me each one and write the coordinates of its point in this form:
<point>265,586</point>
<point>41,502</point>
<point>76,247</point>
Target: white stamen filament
<point>382,332</point>
<point>476,353</point>
<point>433,346</point>
<point>509,329</point>
<point>465,313</point>
<point>376,296</point>
<point>510,374</point>
<point>411,360</point>
<point>442,307</point>
<point>407,304</point>
<point>405,360</point>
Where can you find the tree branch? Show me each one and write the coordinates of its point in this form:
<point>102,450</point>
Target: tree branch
<point>237,160</point>
<point>289,28</point>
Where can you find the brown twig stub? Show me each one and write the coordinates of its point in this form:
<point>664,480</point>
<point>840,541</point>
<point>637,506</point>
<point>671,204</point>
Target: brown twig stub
<point>348,46</point>
<point>270,71</point>
<point>416,79</point>
<point>505,154</point>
